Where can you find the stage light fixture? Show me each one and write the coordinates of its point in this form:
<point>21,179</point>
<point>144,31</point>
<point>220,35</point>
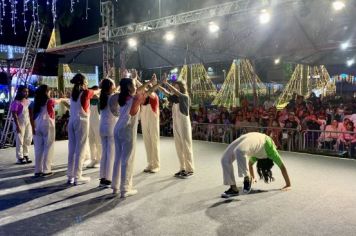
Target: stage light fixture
<point>344,45</point>
<point>350,62</point>
<point>265,17</point>
<point>169,36</point>
<point>338,5</point>
<point>277,61</point>
<point>132,42</point>
<point>213,27</point>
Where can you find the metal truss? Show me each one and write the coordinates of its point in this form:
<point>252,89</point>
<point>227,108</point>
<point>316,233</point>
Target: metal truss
<point>183,18</point>
<point>108,21</point>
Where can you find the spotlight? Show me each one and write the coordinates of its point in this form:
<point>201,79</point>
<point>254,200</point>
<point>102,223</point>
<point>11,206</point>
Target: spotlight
<point>213,28</point>
<point>265,17</point>
<point>132,42</point>
<point>338,5</point>
<point>344,45</point>
<point>350,62</point>
<point>169,36</point>
<point>277,61</point>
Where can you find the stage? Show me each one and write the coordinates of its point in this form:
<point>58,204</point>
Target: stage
<point>322,200</point>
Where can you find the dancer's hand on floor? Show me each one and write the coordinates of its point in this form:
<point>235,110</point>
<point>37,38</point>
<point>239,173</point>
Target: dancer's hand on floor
<point>286,188</point>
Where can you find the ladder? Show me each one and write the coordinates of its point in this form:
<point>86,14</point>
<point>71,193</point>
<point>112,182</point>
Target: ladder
<point>23,74</point>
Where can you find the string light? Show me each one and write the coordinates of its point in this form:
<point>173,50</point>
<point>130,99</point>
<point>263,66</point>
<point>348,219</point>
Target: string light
<point>26,8</point>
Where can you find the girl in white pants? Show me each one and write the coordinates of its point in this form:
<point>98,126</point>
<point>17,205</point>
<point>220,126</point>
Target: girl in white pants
<point>107,124</point>
<point>125,135</point>
<point>22,125</point>
<point>42,116</point>
<point>150,130</point>
<point>182,129</point>
<point>246,150</point>
<point>94,135</point>
<point>78,128</point>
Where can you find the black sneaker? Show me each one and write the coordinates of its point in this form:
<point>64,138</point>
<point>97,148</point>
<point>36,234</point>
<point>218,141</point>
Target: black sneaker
<point>102,182</point>
<point>38,174</point>
<point>21,161</point>
<point>47,174</point>
<point>107,183</point>
<point>179,174</point>
<point>247,184</point>
<point>186,175</point>
<point>27,159</point>
<point>230,193</point>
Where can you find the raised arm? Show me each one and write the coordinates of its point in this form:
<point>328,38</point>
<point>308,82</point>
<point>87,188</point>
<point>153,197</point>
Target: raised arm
<point>172,88</point>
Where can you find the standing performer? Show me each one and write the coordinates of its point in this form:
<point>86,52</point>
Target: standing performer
<point>182,129</point>
<point>107,124</point>
<point>22,125</point>
<point>150,130</point>
<point>78,128</point>
<point>94,134</point>
<point>42,117</point>
<point>125,135</point>
<point>248,149</point>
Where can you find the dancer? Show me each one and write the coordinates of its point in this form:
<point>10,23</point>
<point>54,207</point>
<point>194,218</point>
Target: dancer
<point>107,125</point>
<point>22,125</point>
<point>94,134</point>
<point>125,134</point>
<point>248,149</point>
<point>42,116</point>
<point>182,129</point>
<point>150,130</point>
<point>78,128</point>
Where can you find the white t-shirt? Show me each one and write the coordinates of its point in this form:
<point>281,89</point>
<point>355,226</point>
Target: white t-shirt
<point>250,145</point>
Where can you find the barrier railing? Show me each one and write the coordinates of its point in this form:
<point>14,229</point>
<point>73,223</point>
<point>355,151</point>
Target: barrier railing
<point>286,139</point>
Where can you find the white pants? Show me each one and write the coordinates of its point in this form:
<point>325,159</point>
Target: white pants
<point>150,132</point>
<point>124,158</point>
<point>23,140</point>
<point>228,169</point>
<point>107,157</point>
<point>44,148</point>
<point>77,144</point>
<point>94,143</point>
<point>182,133</point>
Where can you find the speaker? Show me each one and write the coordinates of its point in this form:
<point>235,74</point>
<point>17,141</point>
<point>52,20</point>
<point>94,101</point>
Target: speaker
<point>46,64</point>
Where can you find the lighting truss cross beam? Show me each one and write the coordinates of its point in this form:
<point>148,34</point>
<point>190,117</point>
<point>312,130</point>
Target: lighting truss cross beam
<point>183,18</point>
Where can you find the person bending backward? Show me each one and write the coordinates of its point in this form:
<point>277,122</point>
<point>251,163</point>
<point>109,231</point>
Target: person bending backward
<point>125,134</point>
<point>107,124</point>
<point>150,130</point>
<point>247,150</point>
<point>22,125</point>
<point>42,116</point>
<point>78,128</point>
<point>182,129</point>
<point>94,134</point>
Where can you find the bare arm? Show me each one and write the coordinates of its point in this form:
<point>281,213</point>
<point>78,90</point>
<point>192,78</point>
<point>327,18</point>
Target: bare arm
<point>165,91</point>
<point>250,168</point>
<point>286,177</point>
<point>16,120</point>
<point>32,121</point>
<point>173,89</point>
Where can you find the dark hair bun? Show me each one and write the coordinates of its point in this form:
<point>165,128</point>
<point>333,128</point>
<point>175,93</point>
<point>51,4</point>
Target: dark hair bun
<point>78,79</point>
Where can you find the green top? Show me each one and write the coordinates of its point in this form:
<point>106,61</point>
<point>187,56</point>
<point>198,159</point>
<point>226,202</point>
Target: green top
<point>272,153</point>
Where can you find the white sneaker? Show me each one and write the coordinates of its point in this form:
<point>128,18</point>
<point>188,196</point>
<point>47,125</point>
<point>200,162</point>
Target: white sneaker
<point>129,193</point>
<point>93,164</point>
<point>154,170</point>
<point>81,180</point>
<point>70,181</point>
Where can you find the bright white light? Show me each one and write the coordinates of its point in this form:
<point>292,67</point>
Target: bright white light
<point>344,45</point>
<point>338,5</point>
<point>350,62</point>
<point>175,70</point>
<point>132,42</point>
<point>265,17</point>
<point>169,36</point>
<point>277,61</point>
<point>213,28</point>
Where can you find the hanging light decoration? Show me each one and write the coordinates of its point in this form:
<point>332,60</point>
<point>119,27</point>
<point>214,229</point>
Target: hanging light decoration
<point>26,8</point>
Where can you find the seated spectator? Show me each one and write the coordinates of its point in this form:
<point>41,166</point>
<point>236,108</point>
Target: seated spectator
<point>347,140</point>
<point>342,125</point>
<point>327,139</point>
